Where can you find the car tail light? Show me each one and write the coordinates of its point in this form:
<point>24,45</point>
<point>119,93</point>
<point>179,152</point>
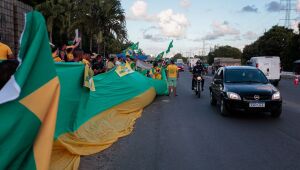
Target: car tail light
<point>257,65</point>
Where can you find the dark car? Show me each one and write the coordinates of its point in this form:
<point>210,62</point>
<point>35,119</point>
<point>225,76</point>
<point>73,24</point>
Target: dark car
<point>244,88</point>
<point>180,66</point>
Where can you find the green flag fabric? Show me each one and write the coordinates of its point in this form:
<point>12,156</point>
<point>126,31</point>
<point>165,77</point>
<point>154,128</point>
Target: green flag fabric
<point>160,56</point>
<point>169,47</point>
<point>134,46</point>
<point>47,113</point>
<point>29,102</point>
<point>82,126</point>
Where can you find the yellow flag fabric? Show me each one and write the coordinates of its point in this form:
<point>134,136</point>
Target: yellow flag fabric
<point>98,133</point>
<point>88,78</point>
<point>123,70</point>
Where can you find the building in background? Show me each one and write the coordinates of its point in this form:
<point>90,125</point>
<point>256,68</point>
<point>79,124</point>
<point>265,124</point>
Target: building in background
<point>12,16</point>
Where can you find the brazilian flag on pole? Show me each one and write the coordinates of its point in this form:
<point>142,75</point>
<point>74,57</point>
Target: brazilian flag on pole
<point>160,56</point>
<point>169,47</point>
<point>134,46</point>
<point>29,102</point>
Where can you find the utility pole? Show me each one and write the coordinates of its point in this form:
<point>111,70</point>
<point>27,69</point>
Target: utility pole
<point>203,48</point>
<point>289,9</point>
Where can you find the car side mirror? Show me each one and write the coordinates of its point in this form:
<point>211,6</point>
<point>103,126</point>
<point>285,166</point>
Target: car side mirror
<point>218,81</point>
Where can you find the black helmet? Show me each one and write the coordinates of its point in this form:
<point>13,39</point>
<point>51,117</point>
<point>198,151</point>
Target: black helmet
<point>198,62</point>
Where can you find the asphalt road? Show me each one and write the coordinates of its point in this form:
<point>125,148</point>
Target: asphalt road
<point>186,133</point>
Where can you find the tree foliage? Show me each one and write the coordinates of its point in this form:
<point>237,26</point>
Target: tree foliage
<point>179,56</point>
<point>224,52</point>
<point>278,41</point>
<point>101,23</point>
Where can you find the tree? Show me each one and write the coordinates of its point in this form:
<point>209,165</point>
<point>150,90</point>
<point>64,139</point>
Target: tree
<point>278,41</point>
<point>224,52</point>
<point>100,22</point>
<point>113,22</point>
<point>249,51</point>
<point>179,56</point>
<point>54,11</point>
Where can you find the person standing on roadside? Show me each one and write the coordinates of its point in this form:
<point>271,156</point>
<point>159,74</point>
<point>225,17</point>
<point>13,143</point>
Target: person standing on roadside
<point>172,74</point>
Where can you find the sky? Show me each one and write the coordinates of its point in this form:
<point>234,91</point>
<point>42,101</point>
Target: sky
<point>195,25</point>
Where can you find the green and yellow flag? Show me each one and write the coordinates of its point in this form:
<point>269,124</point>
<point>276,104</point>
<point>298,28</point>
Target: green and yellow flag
<point>169,47</point>
<point>160,56</point>
<point>29,102</point>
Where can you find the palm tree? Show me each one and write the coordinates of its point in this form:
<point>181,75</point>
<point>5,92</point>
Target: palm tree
<point>112,21</point>
<point>99,39</point>
<point>100,20</point>
<point>52,11</point>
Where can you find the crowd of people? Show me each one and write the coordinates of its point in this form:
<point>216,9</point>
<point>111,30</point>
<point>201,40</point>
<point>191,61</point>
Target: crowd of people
<point>96,62</point>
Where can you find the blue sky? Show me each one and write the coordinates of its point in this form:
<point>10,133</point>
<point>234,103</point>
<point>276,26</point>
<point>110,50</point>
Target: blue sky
<point>154,23</point>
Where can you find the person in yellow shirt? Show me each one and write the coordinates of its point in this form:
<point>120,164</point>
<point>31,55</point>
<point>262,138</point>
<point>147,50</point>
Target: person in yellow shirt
<point>70,56</point>
<point>86,59</point>
<point>155,72</point>
<point>55,56</point>
<point>70,49</point>
<point>110,63</point>
<point>172,74</point>
<point>5,52</point>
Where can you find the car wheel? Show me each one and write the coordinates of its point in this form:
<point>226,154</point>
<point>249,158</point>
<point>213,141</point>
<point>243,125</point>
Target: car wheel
<point>212,100</point>
<point>223,109</point>
<point>276,113</point>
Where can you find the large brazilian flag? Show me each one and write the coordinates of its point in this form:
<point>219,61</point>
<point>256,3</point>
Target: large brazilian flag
<point>29,102</point>
<point>49,119</point>
<point>91,121</point>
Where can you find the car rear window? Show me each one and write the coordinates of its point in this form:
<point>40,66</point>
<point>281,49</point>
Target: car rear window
<point>245,76</point>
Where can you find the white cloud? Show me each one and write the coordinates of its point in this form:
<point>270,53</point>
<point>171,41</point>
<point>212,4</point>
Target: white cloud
<point>139,8</point>
<point>153,33</point>
<point>221,30</point>
<point>295,26</point>
<point>169,23</point>
<point>250,35</point>
<point>172,24</point>
<point>185,3</point>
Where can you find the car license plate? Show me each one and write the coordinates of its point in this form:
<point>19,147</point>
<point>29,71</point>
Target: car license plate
<point>257,105</point>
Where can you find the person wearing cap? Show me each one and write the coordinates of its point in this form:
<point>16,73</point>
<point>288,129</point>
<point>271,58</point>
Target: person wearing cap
<point>5,52</point>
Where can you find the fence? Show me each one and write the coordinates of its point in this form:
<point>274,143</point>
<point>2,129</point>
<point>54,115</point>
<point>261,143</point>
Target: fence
<point>12,22</point>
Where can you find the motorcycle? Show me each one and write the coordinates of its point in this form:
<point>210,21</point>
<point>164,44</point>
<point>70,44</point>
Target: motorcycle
<point>197,85</point>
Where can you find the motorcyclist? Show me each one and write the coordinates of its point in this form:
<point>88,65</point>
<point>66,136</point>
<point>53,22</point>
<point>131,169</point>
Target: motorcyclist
<point>198,70</point>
